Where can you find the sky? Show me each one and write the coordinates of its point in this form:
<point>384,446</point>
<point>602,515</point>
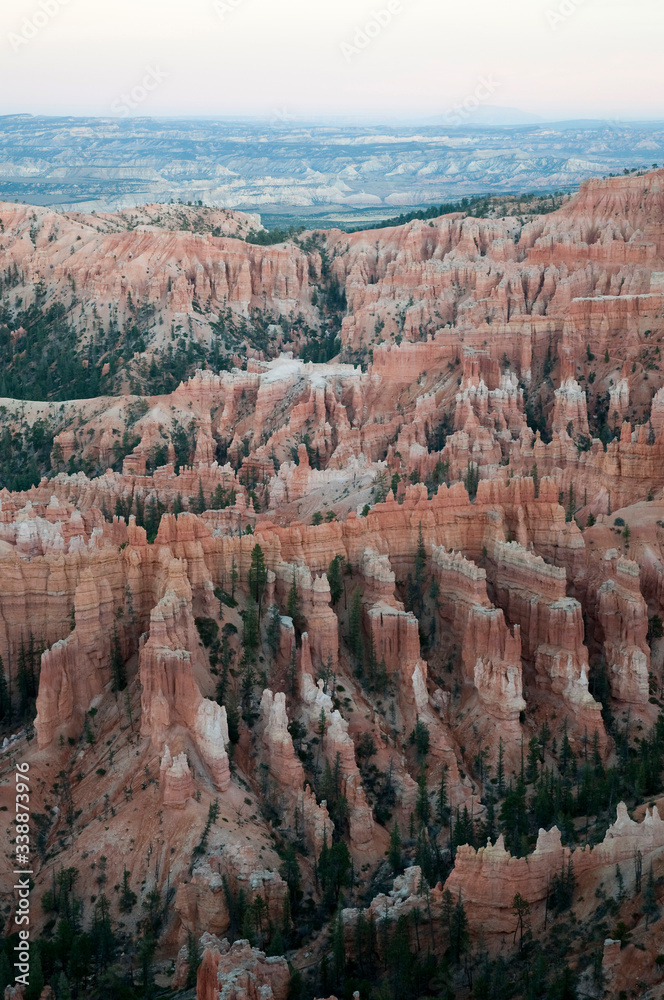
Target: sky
<point>290,59</point>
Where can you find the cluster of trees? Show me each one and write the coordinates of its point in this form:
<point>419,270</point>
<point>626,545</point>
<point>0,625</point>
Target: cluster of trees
<point>103,961</point>
<point>25,454</point>
<point>43,361</point>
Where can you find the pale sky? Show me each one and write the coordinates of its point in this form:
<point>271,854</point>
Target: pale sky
<point>293,58</point>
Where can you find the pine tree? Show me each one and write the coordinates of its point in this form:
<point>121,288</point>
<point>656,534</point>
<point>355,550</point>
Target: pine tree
<point>649,898</point>
<point>117,663</point>
<point>442,803</point>
<point>394,850</point>
<point>218,499</point>
<point>420,572</point>
<point>274,630</point>
<point>355,625</point>
<point>571,504</point>
<point>128,898</point>
<point>291,874</point>
<point>522,910</point>
<point>339,947</point>
<point>5,707</point>
<point>459,935</point>
<point>566,752</point>
<point>500,767</point>
<point>199,505</point>
<point>532,770</point>
<point>23,679</point>
<point>193,960</point>
<point>334,577</point>
<point>422,806</point>
<point>34,990</point>
<point>235,576</point>
<point>293,608</point>
<point>257,576</point>
<point>63,989</point>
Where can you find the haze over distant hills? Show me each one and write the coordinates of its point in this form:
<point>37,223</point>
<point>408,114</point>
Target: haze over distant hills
<point>303,169</point>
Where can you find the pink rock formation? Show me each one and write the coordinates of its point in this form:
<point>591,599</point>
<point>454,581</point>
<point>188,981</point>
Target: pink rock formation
<point>490,652</point>
<point>533,594</point>
<point>239,972</point>
<point>175,780</point>
<point>490,877</point>
<point>170,695</point>
<point>623,615</point>
<point>339,745</point>
<point>76,670</point>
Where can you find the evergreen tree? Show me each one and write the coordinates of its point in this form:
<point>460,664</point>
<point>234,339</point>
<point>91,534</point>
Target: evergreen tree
<point>34,990</point>
<point>274,630</point>
<point>251,632</point>
<point>293,607</point>
<point>459,934</point>
<point>5,706</point>
<point>338,947</point>
<point>199,505</point>
<point>355,625</point>
<point>514,819</point>
<point>118,671</point>
<point>291,874</point>
<point>442,802</point>
<point>532,770</point>
<point>128,898</point>
<point>217,501</point>
<point>422,806</point>
<point>335,579</point>
<point>500,767</point>
<point>193,960</point>
<point>649,898</point>
<point>420,572</point>
<point>235,576</point>
<point>521,910</point>
<point>257,576</point>
<point>394,850</point>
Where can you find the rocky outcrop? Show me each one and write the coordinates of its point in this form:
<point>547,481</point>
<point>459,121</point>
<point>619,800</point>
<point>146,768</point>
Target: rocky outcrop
<point>170,695</point>
<point>489,877</point>
<point>233,871</point>
<point>623,617</point>
<point>239,972</point>
<point>533,595</point>
<point>490,651</point>
<point>339,747</point>
<point>285,790</point>
<point>175,780</point>
<point>75,671</point>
